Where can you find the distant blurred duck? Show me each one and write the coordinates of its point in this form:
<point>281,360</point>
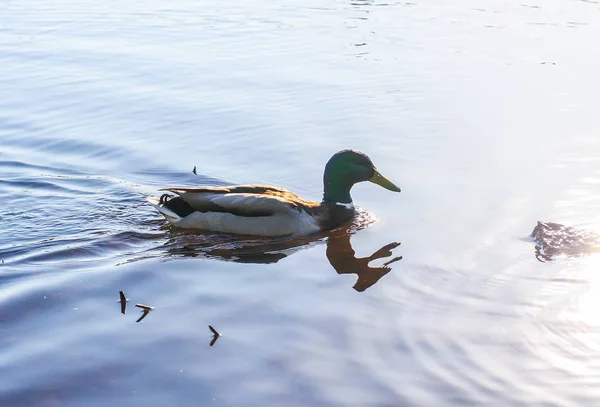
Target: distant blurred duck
<point>272,211</point>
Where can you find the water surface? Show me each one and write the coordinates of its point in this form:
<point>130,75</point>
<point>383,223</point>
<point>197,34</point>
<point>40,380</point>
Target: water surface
<point>484,114</point>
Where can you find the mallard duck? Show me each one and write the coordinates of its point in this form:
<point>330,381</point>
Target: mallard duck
<point>272,211</point>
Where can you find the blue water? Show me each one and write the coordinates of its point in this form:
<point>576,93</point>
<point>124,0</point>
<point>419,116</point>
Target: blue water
<point>484,114</point>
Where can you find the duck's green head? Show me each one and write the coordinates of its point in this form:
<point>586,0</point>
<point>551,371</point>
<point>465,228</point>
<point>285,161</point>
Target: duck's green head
<point>346,168</point>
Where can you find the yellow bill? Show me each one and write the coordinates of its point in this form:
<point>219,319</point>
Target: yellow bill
<point>379,179</point>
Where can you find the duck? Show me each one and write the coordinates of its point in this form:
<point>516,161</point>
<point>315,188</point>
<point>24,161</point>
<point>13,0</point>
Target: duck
<point>270,211</point>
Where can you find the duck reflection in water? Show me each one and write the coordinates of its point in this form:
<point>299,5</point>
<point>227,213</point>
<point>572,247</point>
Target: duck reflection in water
<point>339,251</point>
<point>342,257</point>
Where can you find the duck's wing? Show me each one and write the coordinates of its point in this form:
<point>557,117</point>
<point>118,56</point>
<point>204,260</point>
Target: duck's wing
<point>244,200</point>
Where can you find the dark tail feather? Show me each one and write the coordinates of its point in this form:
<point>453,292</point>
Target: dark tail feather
<point>176,204</point>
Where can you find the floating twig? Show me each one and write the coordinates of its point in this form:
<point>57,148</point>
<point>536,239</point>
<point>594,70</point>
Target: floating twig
<point>215,333</point>
<point>214,339</point>
<point>145,309</point>
<point>144,313</point>
<point>194,170</point>
<point>123,301</point>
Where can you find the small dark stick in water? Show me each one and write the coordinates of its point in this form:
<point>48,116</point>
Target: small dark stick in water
<point>145,308</point>
<point>144,313</point>
<point>215,333</point>
<point>123,301</point>
<point>194,170</point>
